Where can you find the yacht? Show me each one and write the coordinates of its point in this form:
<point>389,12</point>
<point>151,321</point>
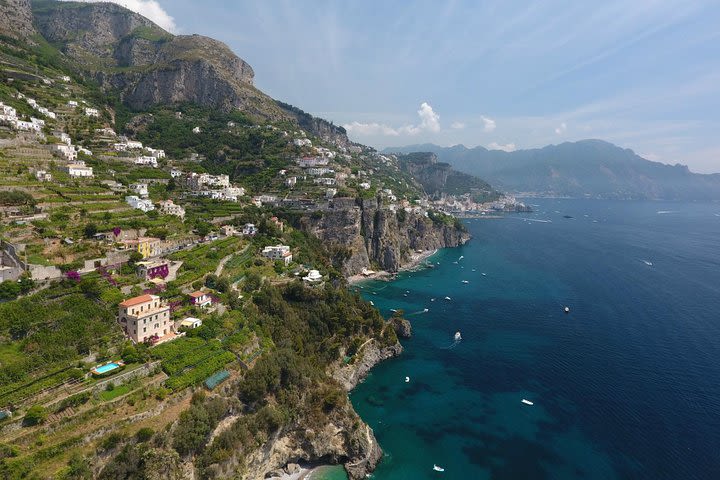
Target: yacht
<point>458,337</point>
<point>527,402</point>
<point>438,469</point>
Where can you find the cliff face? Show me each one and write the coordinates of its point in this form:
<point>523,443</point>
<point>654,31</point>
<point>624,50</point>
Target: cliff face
<point>128,53</point>
<point>16,20</point>
<point>377,237</point>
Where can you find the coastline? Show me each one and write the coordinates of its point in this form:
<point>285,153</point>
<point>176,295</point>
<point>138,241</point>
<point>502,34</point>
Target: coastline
<point>416,261</point>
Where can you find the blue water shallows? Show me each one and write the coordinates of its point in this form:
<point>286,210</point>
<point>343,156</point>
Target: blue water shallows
<point>625,386</point>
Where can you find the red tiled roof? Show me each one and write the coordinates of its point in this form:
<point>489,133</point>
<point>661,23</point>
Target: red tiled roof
<point>197,294</point>
<point>130,302</point>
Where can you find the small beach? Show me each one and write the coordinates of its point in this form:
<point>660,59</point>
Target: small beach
<point>416,261</point>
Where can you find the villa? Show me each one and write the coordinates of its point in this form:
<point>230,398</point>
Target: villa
<point>313,277</point>
<point>78,169</point>
<point>91,112</point>
<point>278,252</point>
<point>201,299</point>
<point>146,160</point>
<point>250,230</point>
<point>190,323</point>
<point>139,203</point>
<point>144,318</point>
<point>168,207</point>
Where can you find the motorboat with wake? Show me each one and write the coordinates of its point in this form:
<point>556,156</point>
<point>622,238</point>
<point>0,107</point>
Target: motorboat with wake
<point>457,337</point>
<point>438,469</point>
<point>527,402</point>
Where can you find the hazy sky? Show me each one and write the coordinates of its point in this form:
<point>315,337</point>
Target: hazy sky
<point>503,74</point>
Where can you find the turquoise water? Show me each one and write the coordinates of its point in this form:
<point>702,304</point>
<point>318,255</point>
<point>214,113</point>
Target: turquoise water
<point>336,472</point>
<point>106,368</point>
<point>625,386</point>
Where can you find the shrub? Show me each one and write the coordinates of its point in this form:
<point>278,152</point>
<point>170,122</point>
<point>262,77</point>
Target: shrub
<point>144,434</point>
<point>35,415</point>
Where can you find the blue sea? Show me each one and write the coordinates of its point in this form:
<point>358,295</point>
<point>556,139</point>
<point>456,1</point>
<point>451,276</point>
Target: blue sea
<point>625,386</point>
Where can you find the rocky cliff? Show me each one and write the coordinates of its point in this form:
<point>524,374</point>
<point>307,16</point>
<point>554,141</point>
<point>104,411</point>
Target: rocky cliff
<point>126,52</point>
<point>374,237</point>
<point>16,20</point>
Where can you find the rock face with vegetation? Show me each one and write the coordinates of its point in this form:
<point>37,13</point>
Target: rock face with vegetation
<point>128,53</point>
<point>368,236</point>
<point>16,20</point>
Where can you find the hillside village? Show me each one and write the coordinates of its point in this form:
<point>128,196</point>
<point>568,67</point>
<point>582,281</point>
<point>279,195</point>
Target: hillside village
<point>146,256</point>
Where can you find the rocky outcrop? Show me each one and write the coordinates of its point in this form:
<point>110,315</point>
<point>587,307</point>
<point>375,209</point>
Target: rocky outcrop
<point>16,20</point>
<point>370,355</point>
<point>402,327</point>
<point>128,53</point>
<point>375,237</point>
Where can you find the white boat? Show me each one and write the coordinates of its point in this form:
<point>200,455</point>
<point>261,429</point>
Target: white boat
<point>465,281</point>
<point>567,309</point>
<point>473,270</point>
<point>393,310</point>
<point>425,310</point>
<point>448,298</point>
<point>458,337</point>
<point>527,402</point>
<point>461,257</point>
<point>484,274</point>
<point>371,303</point>
<point>438,469</point>
<point>648,263</point>
<point>407,379</point>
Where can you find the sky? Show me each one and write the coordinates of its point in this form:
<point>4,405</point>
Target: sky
<point>500,73</point>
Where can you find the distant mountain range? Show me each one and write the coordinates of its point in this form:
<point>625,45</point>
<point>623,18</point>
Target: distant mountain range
<point>588,168</point>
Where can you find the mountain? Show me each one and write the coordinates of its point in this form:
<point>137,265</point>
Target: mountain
<point>593,168</point>
<point>439,178</point>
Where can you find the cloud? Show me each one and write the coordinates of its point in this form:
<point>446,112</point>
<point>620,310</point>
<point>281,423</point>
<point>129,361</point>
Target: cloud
<point>430,119</point>
<point>457,125</point>
<point>371,129</point>
<point>561,129</point>
<point>508,147</point>
<point>488,123</point>
<point>429,122</point>
<point>150,9</point>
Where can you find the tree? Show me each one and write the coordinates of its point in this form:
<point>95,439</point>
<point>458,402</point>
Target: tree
<point>222,285</point>
<point>9,290</point>
<point>77,469</point>
<point>203,228</point>
<point>130,354</point>
<point>211,280</point>
<point>90,288</point>
<point>90,230</point>
<point>35,415</point>
<point>134,258</point>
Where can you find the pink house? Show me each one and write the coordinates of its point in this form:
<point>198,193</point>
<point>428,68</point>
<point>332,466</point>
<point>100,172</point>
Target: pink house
<point>201,299</point>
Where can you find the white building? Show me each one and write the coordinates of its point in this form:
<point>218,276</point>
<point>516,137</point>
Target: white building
<point>291,181</point>
<point>91,112</point>
<point>65,78</point>
<point>139,203</point>
<point>316,171</point>
<point>145,160</point>
<point>26,126</point>
<point>249,229</point>
<point>306,162</point>
<point>168,207</point>
<point>365,185</point>
<point>43,176</point>
<point>325,181</point>
<point>302,142</point>
<point>78,169</point>
<point>65,151</point>
<point>140,189</point>
<point>84,151</point>
<point>72,103</point>
<point>120,146</point>
<point>196,130</point>
<point>133,145</point>
<point>155,152</point>
<point>190,323</point>
<point>37,121</point>
<point>175,173</point>
<point>278,252</point>
<point>313,277</point>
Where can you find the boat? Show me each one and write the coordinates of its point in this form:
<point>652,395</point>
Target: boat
<point>567,309</point>
<point>407,379</point>
<point>458,337</point>
<point>465,281</point>
<point>438,469</point>
<point>393,310</point>
<point>371,303</point>
<point>527,402</point>
<point>648,263</point>
<point>484,274</point>
<point>461,257</point>
<point>425,310</point>
<point>448,298</point>
<point>473,269</point>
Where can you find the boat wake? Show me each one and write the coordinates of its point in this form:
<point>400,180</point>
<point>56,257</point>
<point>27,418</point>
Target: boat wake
<point>647,262</point>
<point>665,212</point>
<point>419,312</point>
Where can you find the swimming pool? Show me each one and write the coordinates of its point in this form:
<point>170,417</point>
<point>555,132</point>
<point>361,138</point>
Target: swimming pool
<point>108,367</point>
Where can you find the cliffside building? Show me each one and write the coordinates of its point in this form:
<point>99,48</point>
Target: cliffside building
<point>144,318</point>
